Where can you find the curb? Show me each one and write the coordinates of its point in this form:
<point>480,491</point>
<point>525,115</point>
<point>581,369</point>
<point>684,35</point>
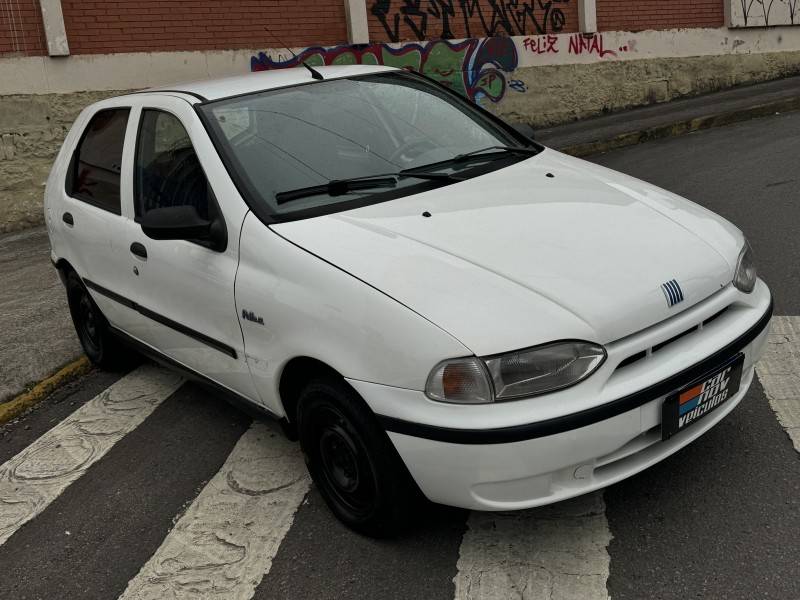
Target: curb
<point>683,127</point>
<point>15,407</point>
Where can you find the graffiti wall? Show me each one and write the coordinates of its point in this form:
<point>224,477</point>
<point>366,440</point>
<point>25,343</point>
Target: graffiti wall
<point>764,13</point>
<point>397,20</point>
<point>477,68</point>
<point>480,69</point>
<point>494,69</point>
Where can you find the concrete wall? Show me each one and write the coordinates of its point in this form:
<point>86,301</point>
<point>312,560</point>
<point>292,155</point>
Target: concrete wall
<point>556,94</point>
<point>32,128</point>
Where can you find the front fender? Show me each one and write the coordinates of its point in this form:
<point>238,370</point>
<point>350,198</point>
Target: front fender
<point>314,309</point>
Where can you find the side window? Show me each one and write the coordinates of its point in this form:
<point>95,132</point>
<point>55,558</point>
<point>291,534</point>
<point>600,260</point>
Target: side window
<point>167,172</point>
<point>96,165</point>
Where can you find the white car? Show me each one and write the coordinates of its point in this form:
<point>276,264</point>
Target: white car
<point>431,301</point>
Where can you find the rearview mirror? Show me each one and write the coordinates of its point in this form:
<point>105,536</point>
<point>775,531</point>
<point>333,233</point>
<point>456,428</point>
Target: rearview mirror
<point>183,223</point>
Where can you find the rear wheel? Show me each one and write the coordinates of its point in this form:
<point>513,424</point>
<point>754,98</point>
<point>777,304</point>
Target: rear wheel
<point>352,462</point>
<point>99,344</point>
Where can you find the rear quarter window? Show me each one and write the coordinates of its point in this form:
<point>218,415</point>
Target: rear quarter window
<point>96,165</point>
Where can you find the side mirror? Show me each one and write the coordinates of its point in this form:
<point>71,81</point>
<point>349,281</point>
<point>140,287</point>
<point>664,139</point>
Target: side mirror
<point>183,223</point>
<point>525,129</point>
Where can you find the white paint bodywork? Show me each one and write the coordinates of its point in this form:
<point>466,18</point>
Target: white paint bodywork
<point>514,258</point>
<point>508,260</point>
<point>549,469</point>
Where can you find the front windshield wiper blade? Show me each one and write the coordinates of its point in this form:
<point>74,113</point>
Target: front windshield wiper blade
<point>497,150</point>
<point>341,187</point>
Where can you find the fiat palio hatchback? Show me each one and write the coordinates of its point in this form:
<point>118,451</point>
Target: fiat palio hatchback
<point>431,301</point>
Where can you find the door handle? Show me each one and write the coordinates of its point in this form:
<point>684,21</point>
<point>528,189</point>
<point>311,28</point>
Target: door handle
<point>67,218</point>
<point>139,250</point>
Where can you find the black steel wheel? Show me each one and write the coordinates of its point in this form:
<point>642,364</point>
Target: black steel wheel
<point>99,344</point>
<point>352,462</point>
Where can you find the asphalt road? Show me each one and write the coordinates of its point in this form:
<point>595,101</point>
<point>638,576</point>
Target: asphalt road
<point>720,519</point>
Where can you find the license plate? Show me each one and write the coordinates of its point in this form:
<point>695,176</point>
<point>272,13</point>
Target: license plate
<point>700,398</point>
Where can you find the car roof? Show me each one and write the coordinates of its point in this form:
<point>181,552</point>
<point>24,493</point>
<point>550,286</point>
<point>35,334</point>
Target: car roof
<point>225,87</point>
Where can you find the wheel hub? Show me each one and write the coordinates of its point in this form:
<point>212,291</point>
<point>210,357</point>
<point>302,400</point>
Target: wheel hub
<point>339,456</point>
<point>88,320</point>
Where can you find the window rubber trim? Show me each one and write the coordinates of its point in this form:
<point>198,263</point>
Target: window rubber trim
<point>154,316</point>
<point>530,431</point>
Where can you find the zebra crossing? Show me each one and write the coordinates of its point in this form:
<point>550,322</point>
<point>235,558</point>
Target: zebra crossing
<point>248,513</point>
<point>30,481</point>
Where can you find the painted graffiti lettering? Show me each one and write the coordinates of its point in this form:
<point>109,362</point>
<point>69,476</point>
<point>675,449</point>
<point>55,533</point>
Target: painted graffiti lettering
<point>758,13</point>
<point>491,17</point>
<point>544,44</point>
<point>589,44</point>
<point>475,68</point>
<point>579,44</point>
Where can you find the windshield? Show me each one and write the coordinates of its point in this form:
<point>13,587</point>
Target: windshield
<point>294,138</point>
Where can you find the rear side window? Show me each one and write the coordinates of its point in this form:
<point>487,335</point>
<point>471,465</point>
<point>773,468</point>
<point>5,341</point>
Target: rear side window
<point>167,170</point>
<point>97,163</point>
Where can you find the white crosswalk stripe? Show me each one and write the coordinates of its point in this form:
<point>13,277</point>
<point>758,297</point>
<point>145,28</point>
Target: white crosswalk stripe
<point>225,543</point>
<point>35,477</point>
<point>779,374</point>
<point>555,552</point>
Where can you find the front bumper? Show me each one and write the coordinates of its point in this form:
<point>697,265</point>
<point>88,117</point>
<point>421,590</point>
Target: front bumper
<point>527,464</point>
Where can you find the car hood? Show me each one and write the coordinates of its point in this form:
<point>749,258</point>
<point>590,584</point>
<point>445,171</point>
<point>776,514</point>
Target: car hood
<point>550,248</point>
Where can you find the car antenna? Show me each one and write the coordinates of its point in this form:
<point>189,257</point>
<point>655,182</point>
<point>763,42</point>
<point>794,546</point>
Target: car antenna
<point>314,73</point>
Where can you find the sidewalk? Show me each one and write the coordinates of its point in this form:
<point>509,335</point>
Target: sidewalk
<point>625,128</point>
<point>36,334</point>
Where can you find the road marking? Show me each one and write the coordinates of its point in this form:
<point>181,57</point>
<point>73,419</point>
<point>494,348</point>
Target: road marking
<point>225,542</point>
<point>779,373</point>
<point>35,477</point>
<point>554,552</point>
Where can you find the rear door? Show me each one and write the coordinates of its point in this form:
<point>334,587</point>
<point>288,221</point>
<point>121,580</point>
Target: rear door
<point>92,215</point>
<point>184,289</point>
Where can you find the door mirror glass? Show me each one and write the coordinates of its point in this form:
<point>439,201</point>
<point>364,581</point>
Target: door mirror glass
<point>178,223</point>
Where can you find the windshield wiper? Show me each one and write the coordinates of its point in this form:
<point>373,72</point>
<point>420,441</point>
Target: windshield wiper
<point>341,187</point>
<point>500,150</point>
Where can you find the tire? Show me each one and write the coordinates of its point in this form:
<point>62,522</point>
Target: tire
<point>352,461</point>
<point>99,344</point>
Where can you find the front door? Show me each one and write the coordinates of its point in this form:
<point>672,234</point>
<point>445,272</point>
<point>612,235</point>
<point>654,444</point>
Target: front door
<point>184,289</point>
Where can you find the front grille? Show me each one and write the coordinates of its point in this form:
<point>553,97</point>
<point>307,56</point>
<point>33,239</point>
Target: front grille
<point>634,358</point>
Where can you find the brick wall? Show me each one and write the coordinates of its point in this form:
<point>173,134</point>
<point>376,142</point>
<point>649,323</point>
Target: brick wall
<point>399,20</point>
<point>106,26</point>
<point>638,15</point>
<point>21,29</point>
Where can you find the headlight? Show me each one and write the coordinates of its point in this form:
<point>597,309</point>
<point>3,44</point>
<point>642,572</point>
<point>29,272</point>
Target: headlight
<point>746,274</point>
<point>514,375</point>
<point>543,369</point>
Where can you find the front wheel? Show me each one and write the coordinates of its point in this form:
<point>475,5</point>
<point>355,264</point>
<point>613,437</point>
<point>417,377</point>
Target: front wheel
<point>352,461</point>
